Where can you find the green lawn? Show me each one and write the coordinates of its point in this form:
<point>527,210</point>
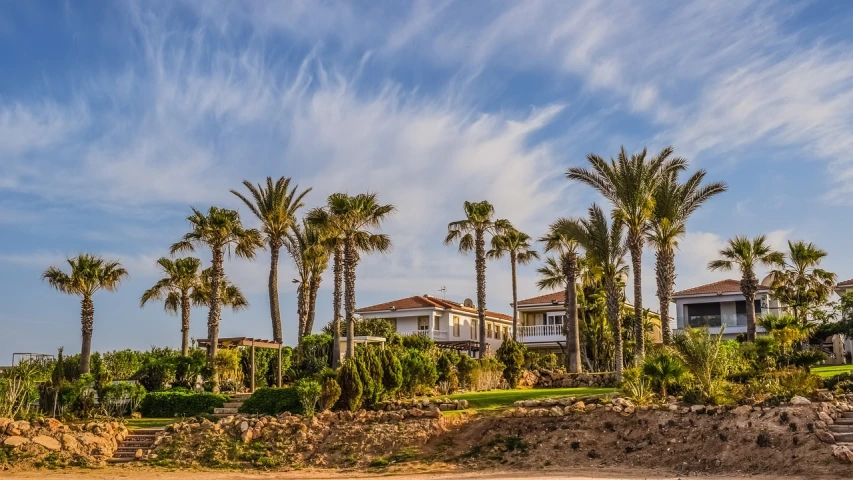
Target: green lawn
<point>831,370</point>
<point>498,399</point>
<point>133,423</point>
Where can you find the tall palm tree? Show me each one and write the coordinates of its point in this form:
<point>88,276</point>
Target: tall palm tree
<point>629,183</point>
<point>222,231</point>
<point>559,239</point>
<point>89,273</point>
<point>471,235</point>
<point>351,218</point>
<point>230,294</point>
<point>275,205</point>
<point>517,245</point>
<point>746,254</point>
<point>674,202</point>
<point>306,246</point>
<point>182,276</point>
<point>605,247</point>
<point>799,283</point>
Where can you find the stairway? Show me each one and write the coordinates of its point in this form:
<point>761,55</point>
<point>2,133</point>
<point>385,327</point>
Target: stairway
<point>842,430</point>
<point>232,407</point>
<point>136,446</point>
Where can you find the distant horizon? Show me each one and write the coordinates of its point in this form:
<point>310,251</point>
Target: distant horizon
<point>117,117</point>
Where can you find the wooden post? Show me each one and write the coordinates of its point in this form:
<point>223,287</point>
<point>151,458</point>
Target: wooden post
<point>253,366</point>
<point>279,366</point>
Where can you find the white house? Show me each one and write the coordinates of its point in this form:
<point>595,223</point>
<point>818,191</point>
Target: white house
<point>447,322</point>
<point>721,305</point>
<point>841,347</point>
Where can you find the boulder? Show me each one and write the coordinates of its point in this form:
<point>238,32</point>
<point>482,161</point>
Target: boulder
<point>52,424</point>
<point>4,422</point>
<point>16,441</point>
<point>742,410</point>
<point>138,453</point>
<point>697,408</point>
<point>824,436</point>
<point>825,417</point>
<point>798,400</point>
<point>578,406</point>
<point>842,453</point>
<point>244,426</point>
<point>556,411</point>
<point>49,443</point>
<point>247,436</point>
<point>69,443</point>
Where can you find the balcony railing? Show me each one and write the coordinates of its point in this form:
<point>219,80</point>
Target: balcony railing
<point>725,320</point>
<point>433,334</point>
<point>532,331</point>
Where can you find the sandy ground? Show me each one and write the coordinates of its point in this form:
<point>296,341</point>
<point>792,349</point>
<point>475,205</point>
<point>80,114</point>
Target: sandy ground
<point>146,474</point>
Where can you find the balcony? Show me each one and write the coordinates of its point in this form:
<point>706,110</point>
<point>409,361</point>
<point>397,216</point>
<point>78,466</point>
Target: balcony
<point>541,333</point>
<point>437,335</point>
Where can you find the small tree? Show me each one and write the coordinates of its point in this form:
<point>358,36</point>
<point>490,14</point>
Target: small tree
<point>309,393</point>
<point>330,394</point>
<point>664,369</point>
<point>349,380</point>
<point>392,372</point>
<point>511,354</point>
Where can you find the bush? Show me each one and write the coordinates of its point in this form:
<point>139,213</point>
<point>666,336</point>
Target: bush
<point>418,342</point>
<point>465,370</point>
<point>121,398</point>
<point>419,372</point>
<point>331,392</point>
<point>180,404</point>
<point>392,372</point>
<point>488,375</point>
<point>122,364</point>
<point>229,372</point>
<point>349,380</point>
<point>187,369</point>
<point>511,354</point>
<point>156,374</point>
<point>309,392</point>
<point>663,370</point>
<point>833,382</point>
<point>448,380</point>
<point>272,401</point>
<point>804,358</point>
<point>263,362</point>
<point>311,357</point>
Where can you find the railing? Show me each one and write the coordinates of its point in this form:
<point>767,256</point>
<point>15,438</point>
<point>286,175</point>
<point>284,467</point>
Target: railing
<point>530,331</point>
<point>433,334</point>
<point>725,320</point>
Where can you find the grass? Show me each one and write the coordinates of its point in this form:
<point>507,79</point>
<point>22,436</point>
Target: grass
<point>831,370</point>
<point>133,423</point>
<point>498,399</point>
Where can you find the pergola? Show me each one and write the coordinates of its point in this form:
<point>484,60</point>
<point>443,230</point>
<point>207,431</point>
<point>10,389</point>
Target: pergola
<point>234,342</point>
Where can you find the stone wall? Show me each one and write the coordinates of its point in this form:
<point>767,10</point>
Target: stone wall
<point>84,444</point>
<point>548,379</point>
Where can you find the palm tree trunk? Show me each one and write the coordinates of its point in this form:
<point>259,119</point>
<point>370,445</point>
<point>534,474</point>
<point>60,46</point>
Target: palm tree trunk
<point>616,323</point>
<point>185,323</point>
<point>350,259</point>
<point>748,286</point>
<point>573,347</point>
<point>275,313</point>
<point>665,274</point>
<point>87,322</point>
<point>480,264</point>
<point>336,306</point>
<point>512,261</point>
<point>313,288</point>
<point>215,311</point>
<point>302,309</point>
<point>635,244</point>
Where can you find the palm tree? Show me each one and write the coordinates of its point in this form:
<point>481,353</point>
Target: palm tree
<point>799,283</point>
<point>182,277</point>
<point>471,235</point>
<point>746,255</point>
<point>664,369</point>
<point>275,206</point>
<point>89,273</point>
<point>517,245</point>
<point>674,202</point>
<point>350,218</point>
<point>222,231</point>
<point>306,246</point>
<point>559,240</point>
<point>629,183</point>
<point>230,295</point>
<point>605,248</point>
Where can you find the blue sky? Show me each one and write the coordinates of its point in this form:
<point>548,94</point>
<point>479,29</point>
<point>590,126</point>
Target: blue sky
<point>115,117</point>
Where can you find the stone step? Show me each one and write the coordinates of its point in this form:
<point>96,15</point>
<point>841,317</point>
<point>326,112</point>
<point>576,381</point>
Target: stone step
<point>226,411</point>
<point>846,414</point>
<point>844,421</point>
<point>115,460</point>
<point>233,404</point>
<point>842,437</point>
<point>136,436</point>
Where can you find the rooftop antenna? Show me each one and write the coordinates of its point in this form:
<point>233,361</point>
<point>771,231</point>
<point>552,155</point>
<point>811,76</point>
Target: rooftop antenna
<point>443,291</point>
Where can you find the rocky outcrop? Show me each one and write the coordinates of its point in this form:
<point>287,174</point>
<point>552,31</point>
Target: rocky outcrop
<point>89,444</point>
<point>425,404</point>
<point>549,379</point>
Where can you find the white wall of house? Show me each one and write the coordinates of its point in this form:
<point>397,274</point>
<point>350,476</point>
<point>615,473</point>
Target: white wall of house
<point>734,324</point>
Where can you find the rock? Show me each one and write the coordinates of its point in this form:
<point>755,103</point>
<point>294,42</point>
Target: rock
<point>138,454</point>
<point>247,436</point>
<point>4,422</point>
<point>556,411</point>
<point>617,409</point>
<point>52,424</point>
<point>447,406</point>
<point>742,410</point>
<point>628,410</point>
<point>463,404</point>
<point>820,424</point>
<point>697,408</point>
<point>244,426</point>
<point>69,443</point>
<point>16,441</point>
<point>578,406</point>
<point>49,443</point>
<point>842,453</point>
<point>798,400</point>
<point>622,402</point>
<point>824,436</point>
<point>825,417</point>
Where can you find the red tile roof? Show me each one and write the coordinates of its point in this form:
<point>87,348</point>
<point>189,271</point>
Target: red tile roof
<point>845,283</point>
<point>427,301</point>
<point>558,296</point>
<point>716,288</point>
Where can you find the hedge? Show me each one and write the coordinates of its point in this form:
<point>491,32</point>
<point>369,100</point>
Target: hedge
<point>272,401</point>
<point>180,404</point>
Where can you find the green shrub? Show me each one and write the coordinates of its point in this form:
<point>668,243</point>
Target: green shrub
<point>312,356</point>
<point>263,363</point>
<point>330,394</point>
<point>511,354</point>
<point>833,382</point>
<point>349,380</point>
<point>663,370</point>
<point>156,374</point>
<point>122,364</point>
<point>187,369</point>
<point>419,372</point>
<point>804,358</point>
<point>418,342</point>
<point>272,401</point>
<point>180,404</point>
<point>392,372</point>
<point>121,398</point>
<point>309,393</point>
<point>466,369</point>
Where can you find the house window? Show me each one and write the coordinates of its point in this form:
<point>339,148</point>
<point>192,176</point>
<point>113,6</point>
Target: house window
<point>436,324</point>
<point>506,332</point>
<point>423,323</point>
<point>488,330</point>
<point>456,328</point>
<point>497,332</point>
<point>554,318</point>
<point>704,315</point>
<point>474,332</point>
